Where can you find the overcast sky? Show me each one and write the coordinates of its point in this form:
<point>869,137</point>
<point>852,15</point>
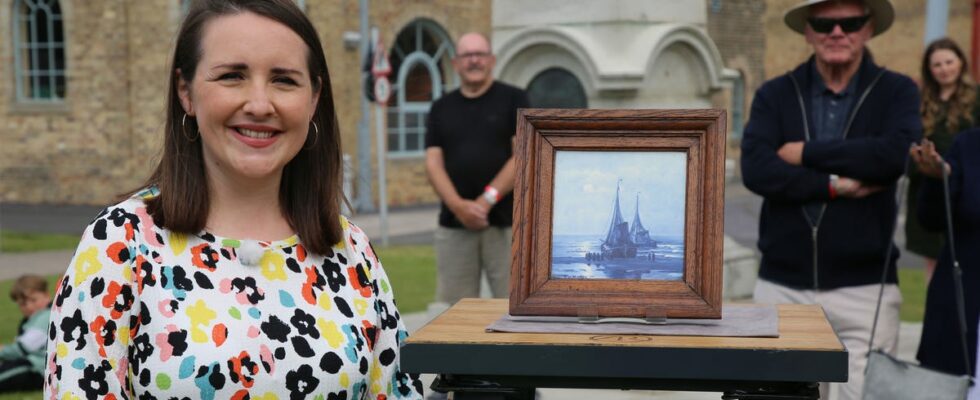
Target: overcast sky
<point>585,189</point>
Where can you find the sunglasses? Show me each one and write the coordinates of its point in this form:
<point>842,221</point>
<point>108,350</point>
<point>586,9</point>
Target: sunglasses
<point>848,25</point>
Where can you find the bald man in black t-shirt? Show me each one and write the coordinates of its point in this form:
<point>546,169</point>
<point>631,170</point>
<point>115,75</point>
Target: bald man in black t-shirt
<point>469,160</point>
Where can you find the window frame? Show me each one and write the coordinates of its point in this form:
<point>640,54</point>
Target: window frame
<point>23,101</point>
<point>440,85</point>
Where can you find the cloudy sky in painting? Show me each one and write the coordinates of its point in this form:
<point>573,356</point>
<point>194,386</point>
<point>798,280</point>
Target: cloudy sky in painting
<point>585,189</point>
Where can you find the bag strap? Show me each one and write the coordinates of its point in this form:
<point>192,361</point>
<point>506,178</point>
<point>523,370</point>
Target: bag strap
<point>957,271</point>
<point>900,189</point>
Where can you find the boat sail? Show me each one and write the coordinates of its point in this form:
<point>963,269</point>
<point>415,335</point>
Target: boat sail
<point>638,234</point>
<point>618,243</point>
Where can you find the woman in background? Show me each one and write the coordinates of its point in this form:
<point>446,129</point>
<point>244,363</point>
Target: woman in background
<point>233,275</point>
<point>949,105</point>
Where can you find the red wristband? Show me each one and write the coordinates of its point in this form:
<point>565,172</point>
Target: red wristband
<point>833,192</point>
<point>493,191</point>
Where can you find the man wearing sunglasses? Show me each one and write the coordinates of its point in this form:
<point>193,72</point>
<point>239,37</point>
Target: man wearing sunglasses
<point>824,147</point>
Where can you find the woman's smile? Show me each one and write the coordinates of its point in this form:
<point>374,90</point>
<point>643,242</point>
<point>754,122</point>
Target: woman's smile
<point>256,136</point>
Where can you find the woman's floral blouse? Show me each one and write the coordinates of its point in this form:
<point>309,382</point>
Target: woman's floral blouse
<point>145,313</point>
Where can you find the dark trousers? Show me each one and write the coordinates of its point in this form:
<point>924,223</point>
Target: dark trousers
<point>17,375</point>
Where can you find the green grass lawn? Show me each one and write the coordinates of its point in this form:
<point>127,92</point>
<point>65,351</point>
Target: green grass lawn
<point>17,242</point>
<point>912,283</point>
<point>411,268</point>
<point>412,272</point>
<point>21,396</point>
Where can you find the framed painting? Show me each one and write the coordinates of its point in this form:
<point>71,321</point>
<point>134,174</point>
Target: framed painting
<point>618,213</point>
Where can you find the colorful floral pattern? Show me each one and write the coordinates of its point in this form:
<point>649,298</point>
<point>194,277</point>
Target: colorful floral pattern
<point>145,313</point>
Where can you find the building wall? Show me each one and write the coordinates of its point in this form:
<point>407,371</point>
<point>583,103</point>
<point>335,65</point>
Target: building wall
<point>736,28</point>
<point>106,137</point>
<point>91,147</point>
<point>511,13</point>
<point>625,53</point>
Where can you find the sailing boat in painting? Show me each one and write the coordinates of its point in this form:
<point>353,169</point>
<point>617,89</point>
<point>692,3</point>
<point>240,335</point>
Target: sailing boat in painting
<point>639,235</point>
<point>618,242</point>
<point>626,251</point>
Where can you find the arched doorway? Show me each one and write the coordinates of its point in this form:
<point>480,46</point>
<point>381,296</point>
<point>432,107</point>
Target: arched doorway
<point>422,60</point>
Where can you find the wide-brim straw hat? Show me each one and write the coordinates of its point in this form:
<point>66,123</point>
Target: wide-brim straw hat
<point>882,14</point>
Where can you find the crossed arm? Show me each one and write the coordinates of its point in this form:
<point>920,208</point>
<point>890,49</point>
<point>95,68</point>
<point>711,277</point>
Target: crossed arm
<point>792,153</point>
<point>800,172</point>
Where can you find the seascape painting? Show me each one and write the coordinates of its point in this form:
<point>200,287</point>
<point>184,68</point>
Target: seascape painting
<point>619,215</point>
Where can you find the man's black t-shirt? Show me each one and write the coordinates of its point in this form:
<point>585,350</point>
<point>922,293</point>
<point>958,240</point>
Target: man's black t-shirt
<point>475,137</point>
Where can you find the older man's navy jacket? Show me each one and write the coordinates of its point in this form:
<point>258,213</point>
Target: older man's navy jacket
<point>846,245</point>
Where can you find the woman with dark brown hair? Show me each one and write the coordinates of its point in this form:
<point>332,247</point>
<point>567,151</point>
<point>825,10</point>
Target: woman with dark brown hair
<point>949,105</point>
<point>233,275</point>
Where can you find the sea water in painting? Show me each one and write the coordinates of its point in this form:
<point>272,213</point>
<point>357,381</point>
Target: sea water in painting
<point>618,215</point>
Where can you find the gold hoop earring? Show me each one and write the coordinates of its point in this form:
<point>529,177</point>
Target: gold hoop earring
<point>316,134</point>
<point>183,129</point>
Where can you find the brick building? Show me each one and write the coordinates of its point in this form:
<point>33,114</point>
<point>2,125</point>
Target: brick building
<point>84,123</point>
<point>736,28</point>
<point>82,104</point>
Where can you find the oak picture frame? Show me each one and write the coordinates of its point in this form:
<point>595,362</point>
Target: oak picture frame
<point>541,135</point>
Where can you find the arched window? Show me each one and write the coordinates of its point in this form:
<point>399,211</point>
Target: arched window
<point>421,59</point>
<point>556,88</point>
<point>39,51</point>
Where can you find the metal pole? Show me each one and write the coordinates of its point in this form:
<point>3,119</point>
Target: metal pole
<point>382,91</point>
<point>348,185</point>
<point>363,202</point>
<point>379,115</point>
<point>937,17</point>
<point>1,233</point>
<point>975,39</point>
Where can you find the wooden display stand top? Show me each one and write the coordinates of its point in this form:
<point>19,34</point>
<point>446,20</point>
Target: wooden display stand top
<point>807,350</point>
<point>801,327</point>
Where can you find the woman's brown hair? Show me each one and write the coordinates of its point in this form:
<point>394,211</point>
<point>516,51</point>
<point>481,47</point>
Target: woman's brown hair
<point>310,192</point>
<point>960,105</point>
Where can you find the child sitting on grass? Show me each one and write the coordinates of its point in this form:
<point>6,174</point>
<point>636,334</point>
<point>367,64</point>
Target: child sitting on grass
<point>22,362</point>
